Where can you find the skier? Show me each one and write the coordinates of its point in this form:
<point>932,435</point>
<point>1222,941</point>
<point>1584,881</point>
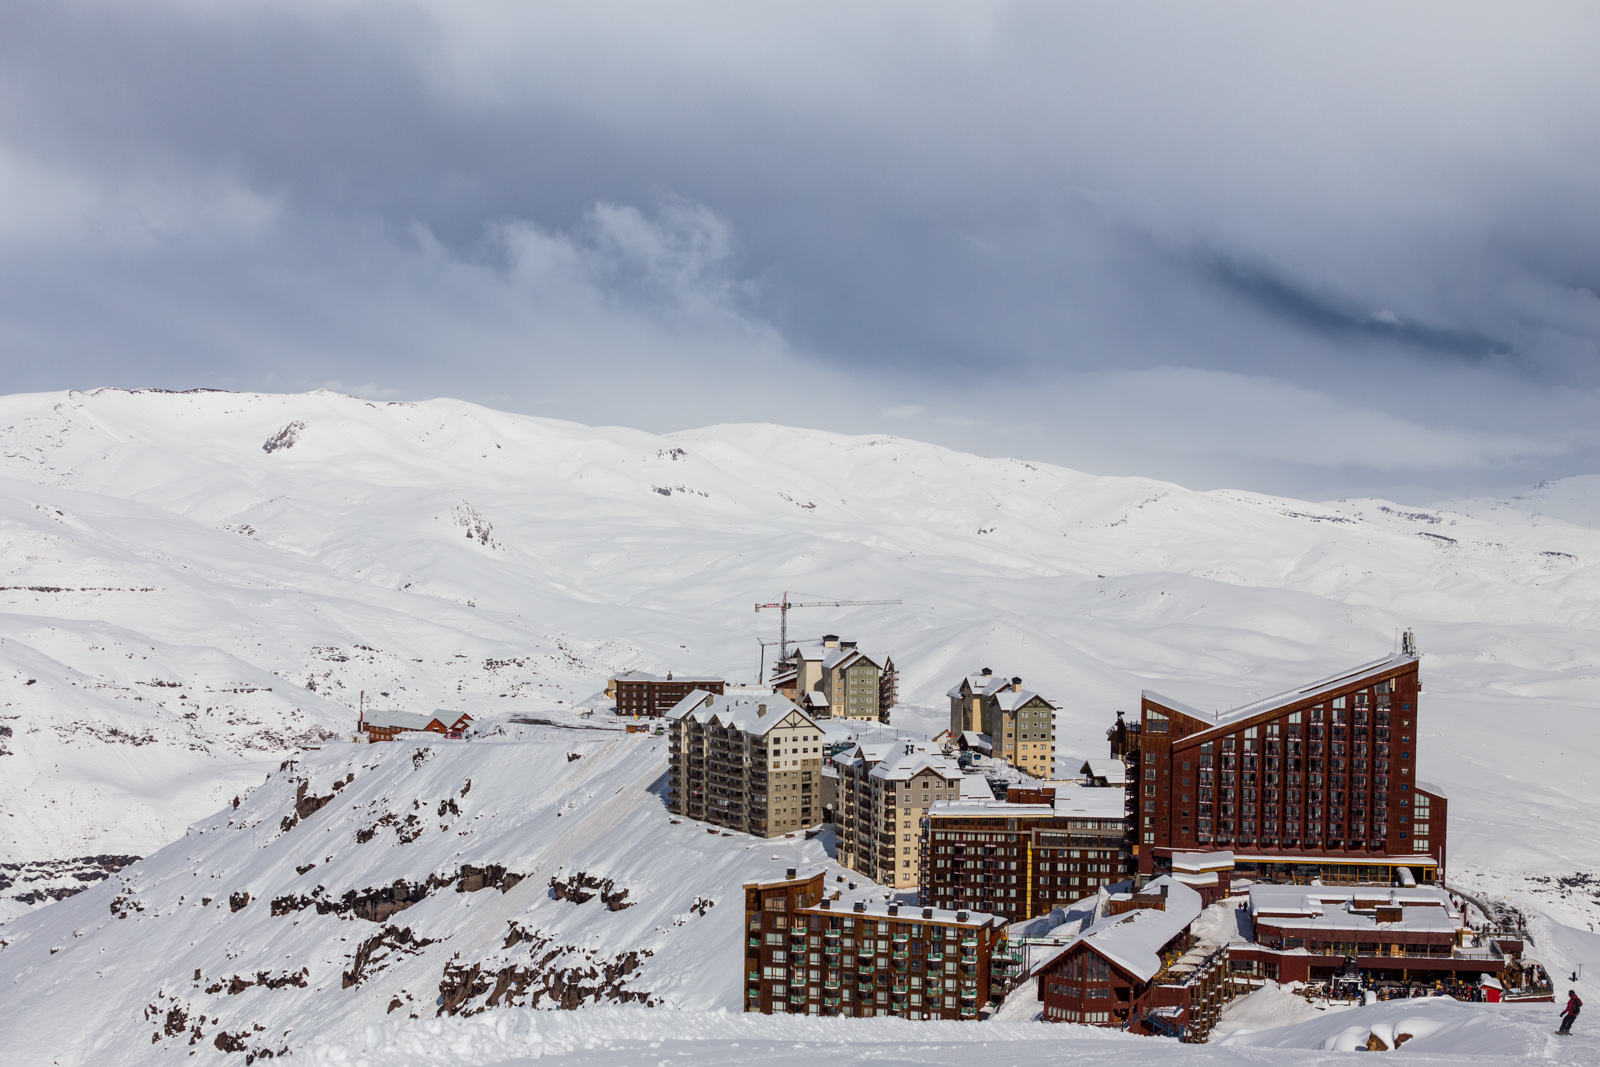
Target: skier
<point>1570,1012</point>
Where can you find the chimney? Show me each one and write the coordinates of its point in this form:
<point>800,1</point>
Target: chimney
<point>789,876</point>
<point>962,916</point>
<point>826,904</point>
<point>669,676</point>
<point>927,913</point>
<point>894,909</point>
<point>830,640</point>
<point>986,672</point>
<point>861,905</point>
<point>1016,685</point>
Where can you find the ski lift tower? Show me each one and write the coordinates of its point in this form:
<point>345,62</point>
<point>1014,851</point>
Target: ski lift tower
<point>785,604</point>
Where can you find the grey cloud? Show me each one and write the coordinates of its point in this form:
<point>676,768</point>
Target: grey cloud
<point>883,219</point>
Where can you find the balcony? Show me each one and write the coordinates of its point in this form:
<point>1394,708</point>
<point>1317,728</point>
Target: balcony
<point>935,955</point>
<point>755,942</point>
<point>831,950</point>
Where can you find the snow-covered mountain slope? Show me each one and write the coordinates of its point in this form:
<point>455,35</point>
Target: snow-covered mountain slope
<point>196,583</point>
<point>364,881</point>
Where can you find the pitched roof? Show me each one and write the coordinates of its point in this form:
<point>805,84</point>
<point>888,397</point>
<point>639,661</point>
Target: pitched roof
<point>979,684</point>
<point>1297,695</point>
<point>751,715</point>
<point>1133,939</point>
<point>1012,699</point>
<point>401,720</point>
<point>1112,770</point>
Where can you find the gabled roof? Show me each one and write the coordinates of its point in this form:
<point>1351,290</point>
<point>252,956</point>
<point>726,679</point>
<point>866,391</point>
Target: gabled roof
<point>1112,770</point>
<point>1011,699</point>
<point>752,715</point>
<point>1133,939</point>
<point>1174,705</point>
<point>401,720</point>
<point>978,684</point>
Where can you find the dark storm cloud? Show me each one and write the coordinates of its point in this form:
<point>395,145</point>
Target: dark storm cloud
<point>1342,319</point>
<point>881,218</point>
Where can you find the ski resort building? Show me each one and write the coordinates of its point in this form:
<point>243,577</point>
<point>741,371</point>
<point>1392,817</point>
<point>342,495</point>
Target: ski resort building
<point>388,725</point>
<point>1038,850</point>
<point>1387,933</point>
<point>819,953</point>
<point>1019,724</point>
<point>638,693</point>
<point>885,789</point>
<point>834,679</point>
<point>1318,782</point>
<point>1140,968</point>
<point>746,763</point>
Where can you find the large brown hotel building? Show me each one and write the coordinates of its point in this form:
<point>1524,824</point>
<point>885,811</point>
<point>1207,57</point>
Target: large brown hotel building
<point>1319,781</point>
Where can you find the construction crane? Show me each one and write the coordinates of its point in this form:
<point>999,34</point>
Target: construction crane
<point>785,604</point>
<point>761,668</point>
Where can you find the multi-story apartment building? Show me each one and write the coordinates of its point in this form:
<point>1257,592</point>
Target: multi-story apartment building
<point>967,698</point>
<point>1019,723</point>
<point>809,952</point>
<point>834,679</point>
<point>640,693</point>
<point>751,764</point>
<point>1318,781</point>
<point>1038,850</point>
<point>885,789</point>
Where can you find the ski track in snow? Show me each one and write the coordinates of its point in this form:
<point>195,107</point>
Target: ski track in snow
<point>186,607</point>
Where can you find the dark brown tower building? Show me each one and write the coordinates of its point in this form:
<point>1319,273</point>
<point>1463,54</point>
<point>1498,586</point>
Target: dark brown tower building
<point>1319,781</point>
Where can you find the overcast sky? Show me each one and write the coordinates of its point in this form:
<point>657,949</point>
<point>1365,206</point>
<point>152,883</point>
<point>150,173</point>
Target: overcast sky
<point>1244,245</point>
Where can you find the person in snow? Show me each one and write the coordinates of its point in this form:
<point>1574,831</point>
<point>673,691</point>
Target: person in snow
<point>1570,1012</point>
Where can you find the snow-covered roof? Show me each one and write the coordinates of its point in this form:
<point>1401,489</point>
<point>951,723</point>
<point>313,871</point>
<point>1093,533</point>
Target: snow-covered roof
<point>1087,802</point>
<point>752,715</point>
<point>402,720</point>
<point>1331,907</point>
<point>842,899</point>
<point>1012,699</point>
<point>1202,861</point>
<point>1133,940</point>
<point>646,676</point>
<point>1173,705</point>
<point>978,684</point>
<point>839,656</point>
<point>905,765</point>
<point>973,739</point>
<point>1429,787</point>
<point>1114,771</point>
<point>978,807</point>
<point>1301,693</point>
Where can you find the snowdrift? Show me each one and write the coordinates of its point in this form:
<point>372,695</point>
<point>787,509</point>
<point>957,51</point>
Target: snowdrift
<point>1432,1025</point>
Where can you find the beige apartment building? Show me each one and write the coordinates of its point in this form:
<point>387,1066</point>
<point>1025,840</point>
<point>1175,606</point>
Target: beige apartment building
<point>885,790</point>
<point>1019,723</point>
<point>747,763</point>
<point>834,679</point>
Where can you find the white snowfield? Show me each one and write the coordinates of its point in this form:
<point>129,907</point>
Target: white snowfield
<point>197,585</point>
